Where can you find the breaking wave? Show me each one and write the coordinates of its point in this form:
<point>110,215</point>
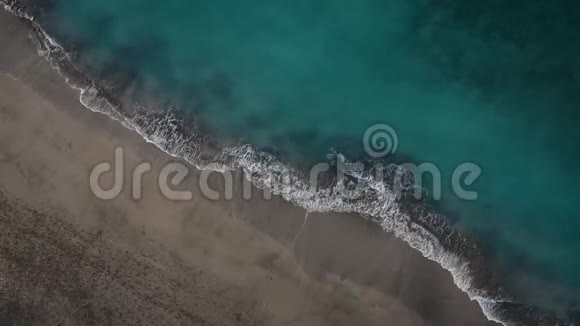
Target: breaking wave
<point>416,223</point>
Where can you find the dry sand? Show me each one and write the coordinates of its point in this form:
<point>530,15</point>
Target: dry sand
<point>68,258</point>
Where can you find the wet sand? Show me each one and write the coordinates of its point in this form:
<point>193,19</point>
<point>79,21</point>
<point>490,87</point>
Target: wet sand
<point>69,258</point>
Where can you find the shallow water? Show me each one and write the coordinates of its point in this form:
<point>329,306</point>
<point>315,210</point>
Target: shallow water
<point>494,84</point>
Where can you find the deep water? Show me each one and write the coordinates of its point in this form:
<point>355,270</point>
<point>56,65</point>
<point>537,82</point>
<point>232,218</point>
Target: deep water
<point>495,83</point>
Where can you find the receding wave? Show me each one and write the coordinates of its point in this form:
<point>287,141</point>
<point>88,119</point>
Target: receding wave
<point>414,222</point>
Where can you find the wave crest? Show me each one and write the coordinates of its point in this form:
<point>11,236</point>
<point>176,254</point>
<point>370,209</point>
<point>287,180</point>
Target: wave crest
<point>417,224</point>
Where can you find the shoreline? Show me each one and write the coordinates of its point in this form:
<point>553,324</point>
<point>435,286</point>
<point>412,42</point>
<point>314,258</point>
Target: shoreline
<point>454,264</point>
<point>97,101</point>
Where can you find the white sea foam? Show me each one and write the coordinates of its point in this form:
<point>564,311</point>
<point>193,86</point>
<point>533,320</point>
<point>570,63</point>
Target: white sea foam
<point>378,203</point>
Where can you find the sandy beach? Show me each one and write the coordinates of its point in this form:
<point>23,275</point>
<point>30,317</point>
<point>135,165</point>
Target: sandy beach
<point>70,258</point>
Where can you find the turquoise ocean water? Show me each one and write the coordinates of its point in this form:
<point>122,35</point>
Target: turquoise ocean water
<point>495,83</point>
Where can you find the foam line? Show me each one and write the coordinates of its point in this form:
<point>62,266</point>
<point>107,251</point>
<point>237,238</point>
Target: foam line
<point>169,132</point>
